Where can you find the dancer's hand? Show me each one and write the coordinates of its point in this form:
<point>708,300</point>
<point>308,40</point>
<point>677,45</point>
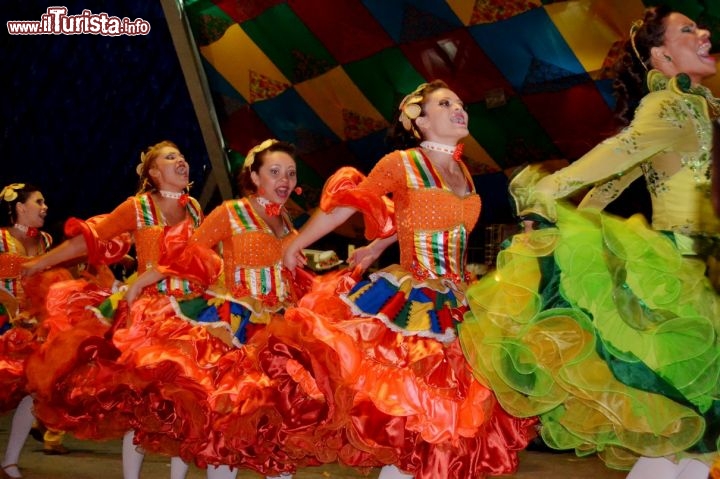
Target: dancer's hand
<point>294,258</point>
<point>362,258</point>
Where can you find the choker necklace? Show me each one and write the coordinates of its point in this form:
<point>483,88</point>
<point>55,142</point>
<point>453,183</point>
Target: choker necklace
<point>454,150</point>
<point>29,231</point>
<point>182,198</point>
<point>271,208</point>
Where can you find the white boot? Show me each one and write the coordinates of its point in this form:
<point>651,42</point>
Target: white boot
<point>692,469</point>
<point>392,472</point>
<point>22,422</point>
<point>653,468</point>
<point>132,459</point>
<point>221,472</point>
<point>178,468</point>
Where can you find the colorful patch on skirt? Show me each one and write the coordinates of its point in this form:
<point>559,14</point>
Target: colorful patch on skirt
<point>407,307</point>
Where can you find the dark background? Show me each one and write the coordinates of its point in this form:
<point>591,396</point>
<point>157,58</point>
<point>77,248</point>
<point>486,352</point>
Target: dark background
<point>78,110</point>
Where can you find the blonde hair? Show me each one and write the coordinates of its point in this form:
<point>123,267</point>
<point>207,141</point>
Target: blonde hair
<point>147,161</point>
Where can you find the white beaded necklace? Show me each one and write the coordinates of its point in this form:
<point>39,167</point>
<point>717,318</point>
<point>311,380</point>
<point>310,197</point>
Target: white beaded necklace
<point>29,231</point>
<point>170,194</point>
<point>434,146</point>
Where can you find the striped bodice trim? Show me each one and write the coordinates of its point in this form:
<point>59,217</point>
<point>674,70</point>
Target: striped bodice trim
<point>258,282</point>
<point>149,214</point>
<point>437,253</point>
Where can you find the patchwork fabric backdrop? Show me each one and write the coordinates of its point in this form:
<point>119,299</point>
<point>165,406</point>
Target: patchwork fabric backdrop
<point>324,74</point>
<point>328,75</point>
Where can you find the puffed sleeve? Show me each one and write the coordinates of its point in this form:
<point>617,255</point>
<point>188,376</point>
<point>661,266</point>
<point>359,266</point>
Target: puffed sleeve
<point>349,187</point>
<point>99,252</point>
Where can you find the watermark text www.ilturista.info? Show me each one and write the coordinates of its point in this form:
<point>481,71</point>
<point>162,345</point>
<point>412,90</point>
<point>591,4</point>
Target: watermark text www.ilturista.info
<point>56,21</point>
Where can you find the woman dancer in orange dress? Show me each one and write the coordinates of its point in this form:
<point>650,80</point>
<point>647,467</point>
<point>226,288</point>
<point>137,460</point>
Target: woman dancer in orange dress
<point>416,408</point>
<point>23,210</point>
<point>124,372</point>
<point>250,420</point>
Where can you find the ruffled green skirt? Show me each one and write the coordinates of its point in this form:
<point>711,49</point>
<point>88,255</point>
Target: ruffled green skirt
<point>606,331</point>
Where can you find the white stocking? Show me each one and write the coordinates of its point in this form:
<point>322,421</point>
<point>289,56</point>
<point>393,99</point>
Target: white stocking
<point>22,421</point>
<point>178,468</point>
<point>692,469</point>
<point>392,472</point>
<point>284,475</point>
<point>653,468</point>
<point>131,459</point>
<point>221,472</point>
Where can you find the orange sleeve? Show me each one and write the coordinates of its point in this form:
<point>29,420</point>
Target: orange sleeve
<point>214,228</point>
<point>387,176</point>
<point>348,187</point>
<point>123,219</point>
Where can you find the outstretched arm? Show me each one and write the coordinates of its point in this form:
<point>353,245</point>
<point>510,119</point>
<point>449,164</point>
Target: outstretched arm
<point>69,249</point>
<point>121,220</point>
<point>319,224</point>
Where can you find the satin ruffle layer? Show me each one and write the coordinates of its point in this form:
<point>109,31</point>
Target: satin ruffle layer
<point>601,327</point>
<point>182,388</point>
<point>24,335</point>
<point>404,399</point>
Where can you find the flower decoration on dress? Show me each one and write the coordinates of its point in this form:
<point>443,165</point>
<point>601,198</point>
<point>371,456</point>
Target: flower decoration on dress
<point>29,231</point>
<point>455,150</point>
<point>255,150</point>
<point>411,108</point>
<point>458,153</point>
<point>183,198</point>
<point>271,208</point>
<point>9,193</point>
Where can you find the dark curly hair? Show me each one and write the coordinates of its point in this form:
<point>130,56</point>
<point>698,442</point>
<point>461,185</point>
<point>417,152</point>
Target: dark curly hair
<point>244,178</point>
<point>632,66</point>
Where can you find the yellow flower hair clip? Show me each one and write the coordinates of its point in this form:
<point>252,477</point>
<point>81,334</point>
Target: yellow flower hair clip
<point>9,193</point>
<point>250,158</point>
<point>139,168</point>
<point>411,108</point>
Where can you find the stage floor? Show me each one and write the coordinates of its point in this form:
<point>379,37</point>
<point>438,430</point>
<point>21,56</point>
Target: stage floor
<point>101,460</point>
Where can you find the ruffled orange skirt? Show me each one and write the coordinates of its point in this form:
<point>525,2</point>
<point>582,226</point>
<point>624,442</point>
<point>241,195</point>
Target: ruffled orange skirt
<point>395,399</point>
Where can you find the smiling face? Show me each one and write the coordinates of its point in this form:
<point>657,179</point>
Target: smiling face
<point>169,170</point>
<point>444,118</point>
<point>685,49</point>
<point>276,178</point>
<point>32,211</point>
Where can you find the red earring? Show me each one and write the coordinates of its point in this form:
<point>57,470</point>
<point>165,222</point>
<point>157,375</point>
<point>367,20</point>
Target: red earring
<point>261,190</point>
<point>298,190</point>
